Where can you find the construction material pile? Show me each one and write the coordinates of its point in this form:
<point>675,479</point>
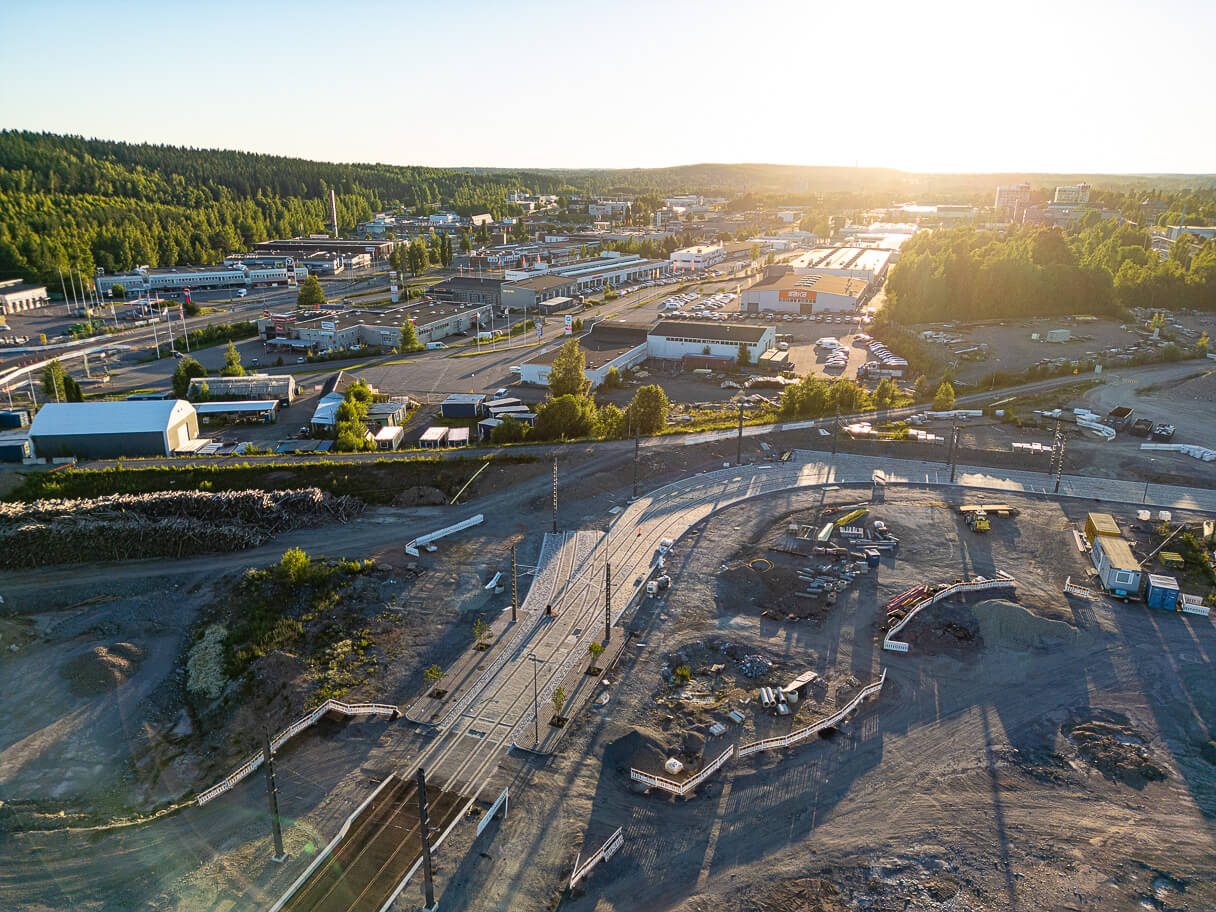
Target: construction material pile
<point>755,666</point>
<point>164,524</point>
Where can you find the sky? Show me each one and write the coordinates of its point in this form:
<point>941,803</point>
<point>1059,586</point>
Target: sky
<point>942,86</point>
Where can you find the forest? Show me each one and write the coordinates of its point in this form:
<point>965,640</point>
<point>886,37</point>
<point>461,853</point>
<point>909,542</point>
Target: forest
<point>67,202</point>
<point>1100,267</point>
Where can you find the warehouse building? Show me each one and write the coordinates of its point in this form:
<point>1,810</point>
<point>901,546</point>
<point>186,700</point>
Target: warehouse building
<point>611,343</point>
<point>351,251</point>
<point>343,330</point>
<point>16,296</point>
<point>537,292</point>
<point>468,290</point>
<point>868,263</point>
<point>280,387</point>
<point>109,430</point>
<point>671,340</point>
<point>181,278</point>
<point>782,290</point>
<point>611,268</point>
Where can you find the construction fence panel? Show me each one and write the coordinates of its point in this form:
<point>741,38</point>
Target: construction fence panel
<point>501,801</point>
<point>346,709</point>
<point>803,733</point>
<point>1001,581</point>
<point>603,853</point>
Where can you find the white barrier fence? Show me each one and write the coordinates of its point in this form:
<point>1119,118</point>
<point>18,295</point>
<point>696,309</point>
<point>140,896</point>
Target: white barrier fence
<point>412,548</point>
<point>1195,452</point>
<point>1193,604</point>
<point>603,853</point>
<point>803,733</point>
<point>1001,581</point>
<point>346,709</point>
<point>1081,591</point>
<point>502,802</point>
<point>683,789</point>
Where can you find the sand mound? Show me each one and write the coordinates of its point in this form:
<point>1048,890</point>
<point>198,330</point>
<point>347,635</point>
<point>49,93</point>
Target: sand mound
<point>102,668</point>
<point>1010,626</point>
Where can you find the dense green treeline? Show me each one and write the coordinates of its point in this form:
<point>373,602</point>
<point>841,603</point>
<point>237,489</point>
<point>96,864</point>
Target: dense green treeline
<point>70,203</point>
<point>1100,267</point>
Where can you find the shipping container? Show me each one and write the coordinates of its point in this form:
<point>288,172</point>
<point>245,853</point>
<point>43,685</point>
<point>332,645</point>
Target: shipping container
<point>1100,524</point>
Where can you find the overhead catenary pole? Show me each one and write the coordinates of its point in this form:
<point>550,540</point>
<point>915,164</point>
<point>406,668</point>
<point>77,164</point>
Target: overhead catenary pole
<point>554,495</point>
<point>514,588</point>
<point>535,704</point>
<point>273,796</point>
<point>607,602</point>
<point>424,830</point>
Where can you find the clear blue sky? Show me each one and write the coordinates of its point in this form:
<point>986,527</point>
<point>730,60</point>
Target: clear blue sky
<point>1068,85</point>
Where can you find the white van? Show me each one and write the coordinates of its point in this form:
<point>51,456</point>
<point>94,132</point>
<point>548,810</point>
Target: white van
<point>435,346</point>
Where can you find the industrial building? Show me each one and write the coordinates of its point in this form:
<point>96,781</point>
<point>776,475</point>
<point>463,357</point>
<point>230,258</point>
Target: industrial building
<point>782,290</point>
<point>537,292</point>
<point>610,344</point>
<point>671,340</point>
<point>231,411</point>
<point>468,290</point>
<point>463,405</point>
<point>344,330</point>
<point>15,445</point>
<point>110,430</point>
<point>869,263</point>
<point>16,296</point>
<point>181,278</point>
<point>611,268</point>
<point>701,256</point>
<point>280,387</point>
<point>301,248</point>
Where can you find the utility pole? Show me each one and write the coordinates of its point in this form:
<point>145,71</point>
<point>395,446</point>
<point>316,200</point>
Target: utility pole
<point>554,495</point>
<point>514,589</point>
<point>1058,455</point>
<point>739,444</point>
<point>273,795</point>
<point>424,827</point>
<point>607,602</point>
<point>836,431</point>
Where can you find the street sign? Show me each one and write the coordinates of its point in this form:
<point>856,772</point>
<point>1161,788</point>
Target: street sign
<point>539,331</point>
<point>569,325</point>
<point>328,327</point>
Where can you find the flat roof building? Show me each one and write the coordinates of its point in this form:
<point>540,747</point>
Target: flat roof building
<point>280,387</point>
<point>611,343</point>
<point>318,331</point>
<point>532,293</point>
<point>869,263</point>
<point>671,340</point>
<point>783,290</point>
<point>700,256</point>
<point>16,296</point>
<point>109,430</point>
<point>468,290</point>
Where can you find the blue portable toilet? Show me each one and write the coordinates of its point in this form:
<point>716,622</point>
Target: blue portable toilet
<point>1162,592</point>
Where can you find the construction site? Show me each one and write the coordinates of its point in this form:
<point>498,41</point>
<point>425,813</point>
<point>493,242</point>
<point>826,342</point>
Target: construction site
<point>799,683</point>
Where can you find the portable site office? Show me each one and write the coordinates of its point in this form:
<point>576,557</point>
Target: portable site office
<point>1117,566</point>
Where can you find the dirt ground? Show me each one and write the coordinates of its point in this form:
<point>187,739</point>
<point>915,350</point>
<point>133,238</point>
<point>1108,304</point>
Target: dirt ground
<point>1030,752</point>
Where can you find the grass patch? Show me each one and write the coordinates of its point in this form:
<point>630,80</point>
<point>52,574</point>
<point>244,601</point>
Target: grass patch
<point>278,601</point>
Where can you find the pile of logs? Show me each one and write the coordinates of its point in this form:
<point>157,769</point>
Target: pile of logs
<point>165,524</point>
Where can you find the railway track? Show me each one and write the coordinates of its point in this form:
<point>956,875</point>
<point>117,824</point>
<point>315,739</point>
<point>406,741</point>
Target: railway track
<point>367,868</point>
